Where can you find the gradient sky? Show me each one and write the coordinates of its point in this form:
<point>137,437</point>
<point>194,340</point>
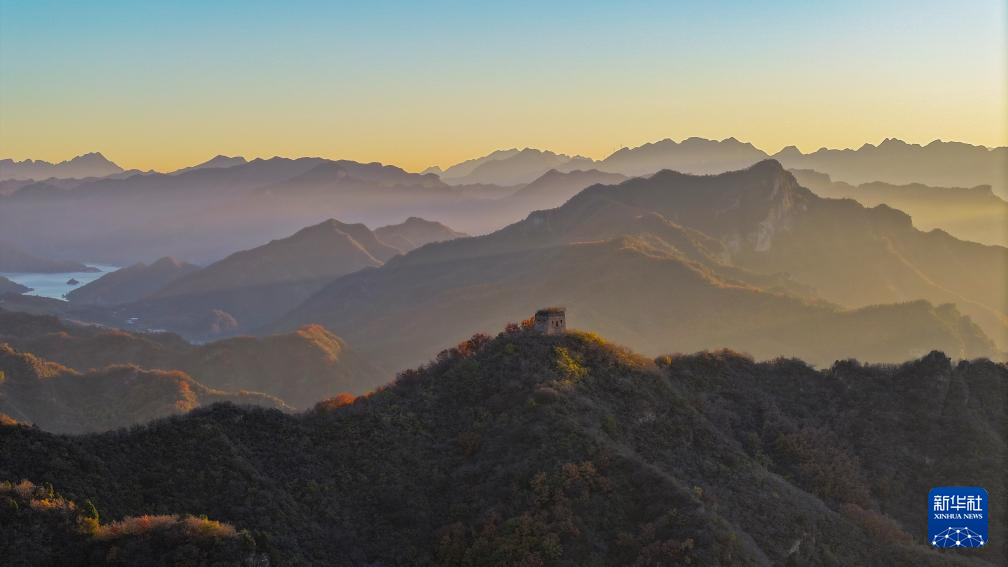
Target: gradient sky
<point>166,84</point>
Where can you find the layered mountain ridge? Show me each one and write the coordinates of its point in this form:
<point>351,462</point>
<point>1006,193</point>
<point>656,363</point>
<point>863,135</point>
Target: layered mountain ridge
<point>250,288</point>
<point>892,161</point>
<point>968,213</point>
<point>570,451</point>
<point>207,211</point>
<point>13,259</point>
<point>131,283</point>
<point>742,259</point>
<point>298,368</point>
<point>88,165</point>
<point>940,163</point>
<point>62,400</point>
<point>415,232</point>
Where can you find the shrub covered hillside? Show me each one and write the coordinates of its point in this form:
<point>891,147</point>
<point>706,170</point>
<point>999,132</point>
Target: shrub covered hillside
<point>38,527</point>
<point>300,367</point>
<point>567,450</point>
<point>62,400</point>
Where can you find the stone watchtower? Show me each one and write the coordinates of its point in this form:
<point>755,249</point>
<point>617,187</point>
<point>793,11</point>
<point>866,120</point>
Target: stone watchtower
<point>551,321</point>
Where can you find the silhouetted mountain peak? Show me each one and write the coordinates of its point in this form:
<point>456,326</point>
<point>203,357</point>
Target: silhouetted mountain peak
<point>522,166</point>
<point>92,164</point>
<point>894,161</point>
<point>555,174</point>
<point>326,169</point>
<point>788,151</point>
<point>466,167</point>
<point>417,221</point>
<point>415,232</point>
<point>217,162</point>
<point>253,286</point>
<point>130,283</point>
<point>692,155</point>
<point>91,158</point>
<point>167,262</point>
<point>893,143</point>
<point>327,226</point>
<point>768,166</point>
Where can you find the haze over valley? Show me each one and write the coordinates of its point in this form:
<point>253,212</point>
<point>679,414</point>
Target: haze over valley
<point>755,229</point>
<point>487,284</point>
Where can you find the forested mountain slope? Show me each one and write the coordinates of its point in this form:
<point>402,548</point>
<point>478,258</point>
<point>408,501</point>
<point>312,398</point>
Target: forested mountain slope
<point>568,450</point>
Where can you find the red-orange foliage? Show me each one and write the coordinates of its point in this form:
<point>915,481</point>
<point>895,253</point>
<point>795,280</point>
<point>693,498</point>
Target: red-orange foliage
<point>464,349</point>
<point>142,525</point>
<point>473,345</point>
<point>339,400</point>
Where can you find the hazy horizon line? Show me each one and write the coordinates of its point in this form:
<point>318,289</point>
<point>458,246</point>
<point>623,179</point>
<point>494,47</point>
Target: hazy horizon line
<point>446,164</point>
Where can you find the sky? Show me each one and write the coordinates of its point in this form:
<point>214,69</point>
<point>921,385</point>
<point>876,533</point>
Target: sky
<point>161,85</point>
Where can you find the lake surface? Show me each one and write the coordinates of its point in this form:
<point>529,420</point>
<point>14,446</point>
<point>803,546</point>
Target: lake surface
<point>55,285</point>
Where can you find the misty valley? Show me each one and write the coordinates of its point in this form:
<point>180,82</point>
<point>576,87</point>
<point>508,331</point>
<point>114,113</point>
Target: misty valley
<point>298,401</point>
<point>501,284</point>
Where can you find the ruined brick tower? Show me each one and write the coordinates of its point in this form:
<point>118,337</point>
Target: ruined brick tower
<point>551,321</point>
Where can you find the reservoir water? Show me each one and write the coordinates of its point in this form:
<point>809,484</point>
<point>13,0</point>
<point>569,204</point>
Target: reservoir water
<point>55,285</point>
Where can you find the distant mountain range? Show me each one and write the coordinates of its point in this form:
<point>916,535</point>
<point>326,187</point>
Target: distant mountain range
<point>754,238</point>
<point>939,163</point>
<point>131,283</point>
<point>945,164</point>
<point>554,188</point>
<point>712,251</point>
<point>139,281</point>
<point>13,259</point>
<point>752,243</point>
<point>213,163</point>
<point>544,450</point>
<point>683,304</point>
<point>88,165</point>
<point>893,161</point>
<point>693,155</point>
<point>415,232</point>
<point>505,168</point>
<point>251,288</point>
<point>974,213</point>
<point>466,167</point>
<point>207,211</point>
